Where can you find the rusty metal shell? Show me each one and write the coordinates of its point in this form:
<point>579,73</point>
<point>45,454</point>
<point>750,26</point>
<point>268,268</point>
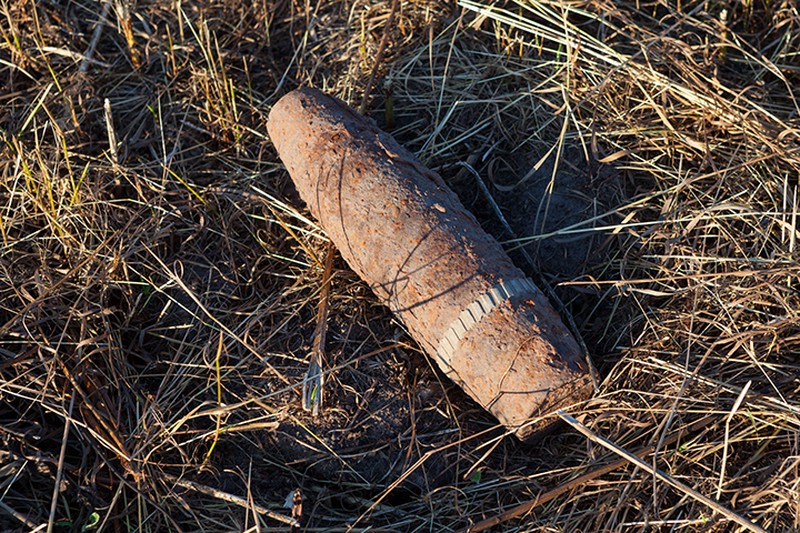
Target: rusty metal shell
<point>400,227</point>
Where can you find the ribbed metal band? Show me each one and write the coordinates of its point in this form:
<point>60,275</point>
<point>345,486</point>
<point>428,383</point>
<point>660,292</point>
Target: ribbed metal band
<point>475,311</point>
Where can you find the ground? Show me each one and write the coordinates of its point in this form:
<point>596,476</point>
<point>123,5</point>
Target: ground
<point>159,276</point>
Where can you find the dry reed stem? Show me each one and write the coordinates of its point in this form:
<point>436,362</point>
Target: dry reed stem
<point>633,458</point>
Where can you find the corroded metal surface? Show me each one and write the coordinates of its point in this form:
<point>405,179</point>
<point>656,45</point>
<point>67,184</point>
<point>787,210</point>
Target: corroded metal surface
<point>408,236</point>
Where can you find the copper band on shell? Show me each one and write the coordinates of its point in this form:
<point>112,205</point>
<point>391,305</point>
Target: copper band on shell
<point>480,307</point>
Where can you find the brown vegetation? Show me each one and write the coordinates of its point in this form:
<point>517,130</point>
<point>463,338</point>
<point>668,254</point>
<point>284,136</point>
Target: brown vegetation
<point>159,278</point>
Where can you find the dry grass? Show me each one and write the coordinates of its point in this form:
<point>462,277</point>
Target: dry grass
<point>159,279</point>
